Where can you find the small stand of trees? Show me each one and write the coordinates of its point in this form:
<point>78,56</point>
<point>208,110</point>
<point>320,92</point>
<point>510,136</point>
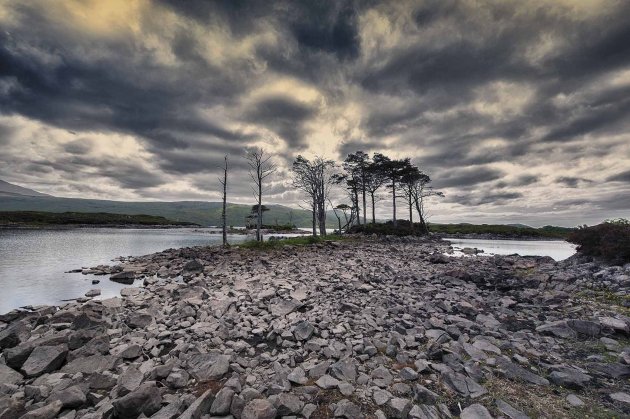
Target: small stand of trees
<point>362,178</point>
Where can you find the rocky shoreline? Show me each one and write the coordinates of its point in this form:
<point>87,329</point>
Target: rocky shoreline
<point>370,328</point>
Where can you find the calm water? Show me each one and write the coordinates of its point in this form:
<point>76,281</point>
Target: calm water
<point>556,249</point>
<point>32,262</point>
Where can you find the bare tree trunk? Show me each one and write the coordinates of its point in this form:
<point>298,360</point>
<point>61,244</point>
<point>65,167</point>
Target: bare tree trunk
<point>356,206</point>
<point>314,217</point>
<point>363,193</point>
<point>259,221</point>
<point>373,209</point>
<point>394,199</point>
<point>223,213</point>
<point>423,224</point>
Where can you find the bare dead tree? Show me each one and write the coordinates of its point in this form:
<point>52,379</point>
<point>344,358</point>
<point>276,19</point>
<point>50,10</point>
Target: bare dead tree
<point>314,178</point>
<point>260,168</point>
<point>223,212</point>
<point>421,190</point>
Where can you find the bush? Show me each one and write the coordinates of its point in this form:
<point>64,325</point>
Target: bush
<point>609,241</point>
<point>402,228</point>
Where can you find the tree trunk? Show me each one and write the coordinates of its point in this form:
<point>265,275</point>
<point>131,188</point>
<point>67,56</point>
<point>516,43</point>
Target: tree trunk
<point>373,209</point>
<point>363,193</point>
<point>314,216</point>
<point>410,213</point>
<point>223,213</point>
<point>423,224</point>
<point>394,199</point>
<point>259,221</point>
<point>357,210</point>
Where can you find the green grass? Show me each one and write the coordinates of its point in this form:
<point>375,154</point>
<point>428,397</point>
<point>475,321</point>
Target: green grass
<point>40,218</point>
<point>293,241</point>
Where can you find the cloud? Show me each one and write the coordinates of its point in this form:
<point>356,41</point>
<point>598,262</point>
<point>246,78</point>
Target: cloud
<point>572,182</point>
<point>620,177</point>
<point>501,103</point>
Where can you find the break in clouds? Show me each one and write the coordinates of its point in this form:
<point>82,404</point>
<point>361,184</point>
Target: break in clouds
<point>519,111</point>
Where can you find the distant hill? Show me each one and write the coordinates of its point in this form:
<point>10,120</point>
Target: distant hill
<point>198,212</point>
<point>9,189</point>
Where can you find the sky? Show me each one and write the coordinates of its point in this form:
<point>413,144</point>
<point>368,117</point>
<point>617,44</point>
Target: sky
<point>518,110</point>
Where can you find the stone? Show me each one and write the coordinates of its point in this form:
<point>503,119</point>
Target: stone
<point>13,335</point>
<point>346,409</point>
<point>146,400</point>
<point>381,397</point>
<point>193,266</point>
<point>516,372</point>
<point>129,380</point>
<point>45,359</point>
<point>297,376</point>
<point>382,377</point>
<point>303,330</point>
<point>90,364</point>
<point>200,406</point>
<point>344,370</point>
<point>475,411</point>
<point>574,400</point>
<point>559,328</point>
<point>93,293</point>
<point>569,378</point>
<point>71,397</point>
<point>399,407</point>
<point>210,366</point>
<point>620,397</point>
<point>177,379</point>
<point>288,404</point>
<point>222,402</point>
<point>327,382</point>
<point>258,409</point>
<point>9,375</point>
<point>139,320</point>
<point>408,374</point>
<point>585,327</point>
<point>463,385</point>
<point>510,411</point>
<point>424,395</point>
<point>49,411</point>
<point>126,278</point>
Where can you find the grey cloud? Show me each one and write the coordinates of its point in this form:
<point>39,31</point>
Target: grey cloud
<point>572,182</point>
<point>466,177</point>
<point>285,116</point>
<point>620,177</point>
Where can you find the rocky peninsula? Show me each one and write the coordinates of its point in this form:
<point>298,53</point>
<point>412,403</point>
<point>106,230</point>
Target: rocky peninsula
<point>361,328</point>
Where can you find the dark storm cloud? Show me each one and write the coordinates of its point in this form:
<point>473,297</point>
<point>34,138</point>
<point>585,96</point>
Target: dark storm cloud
<point>283,115</point>
<point>467,177</point>
<point>572,182</point>
<point>466,89</point>
<point>472,199</point>
<point>80,146</point>
<point>620,177</point>
<point>523,180</point>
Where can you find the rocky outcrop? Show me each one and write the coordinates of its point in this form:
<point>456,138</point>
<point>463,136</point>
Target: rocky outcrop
<point>361,329</point>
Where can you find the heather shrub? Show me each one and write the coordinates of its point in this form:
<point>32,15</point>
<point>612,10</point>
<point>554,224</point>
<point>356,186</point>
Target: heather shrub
<point>609,241</point>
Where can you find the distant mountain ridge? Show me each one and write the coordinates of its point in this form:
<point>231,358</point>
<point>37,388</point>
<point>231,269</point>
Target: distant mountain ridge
<point>16,198</point>
<point>9,189</point>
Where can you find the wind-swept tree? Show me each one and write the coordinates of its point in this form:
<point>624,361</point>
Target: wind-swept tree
<point>393,170</point>
<point>375,178</point>
<point>356,165</point>
<point>420,191</point>
<point>314,178</point>
<point>352,188</point>
<point>260,168</point>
